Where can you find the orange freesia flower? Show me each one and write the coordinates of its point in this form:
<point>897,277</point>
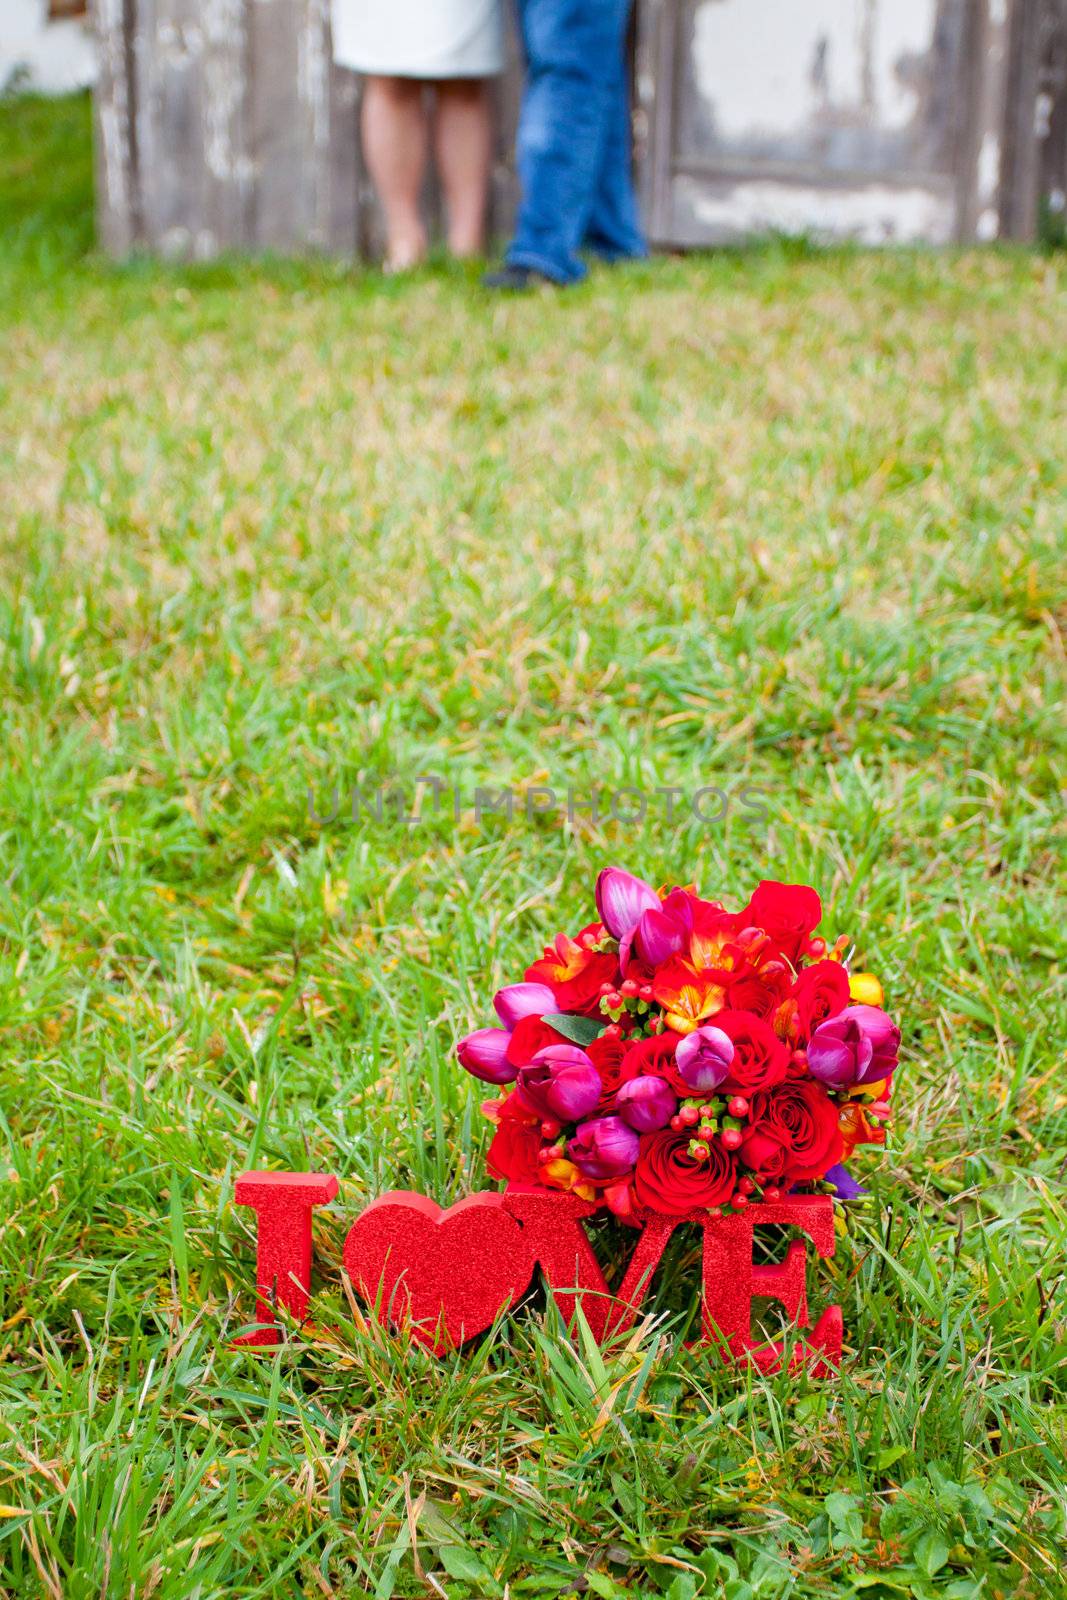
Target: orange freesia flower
<point>688,996</point>
<point>563,1174</point>
<point>857,1129</point>
<point>573,971</point>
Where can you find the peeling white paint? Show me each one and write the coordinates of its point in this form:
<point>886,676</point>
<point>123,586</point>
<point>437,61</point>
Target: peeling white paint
<point>874,214</point>
<point>777,66</point>
<point>988,168</point>
<point>52,56</point>
<point>223,88</point>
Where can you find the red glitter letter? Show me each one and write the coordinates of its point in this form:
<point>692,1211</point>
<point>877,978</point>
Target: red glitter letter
<point>283,1203</point>
<point>730,1281</point>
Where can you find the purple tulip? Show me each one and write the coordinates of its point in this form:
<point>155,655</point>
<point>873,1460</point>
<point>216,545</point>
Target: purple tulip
<point>704,1058</point>
<point>845,1185</point>
<point>560,1083</point>
<point>484,1053</point>
<point>857,1046</point>
<point>646,1103</point>
<point>621,899</point>
<point>520,1000</point>
<point>663,931</point>
<point>604,1148</point>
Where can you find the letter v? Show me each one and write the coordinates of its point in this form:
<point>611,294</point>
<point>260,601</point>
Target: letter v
<point>561,1247</point>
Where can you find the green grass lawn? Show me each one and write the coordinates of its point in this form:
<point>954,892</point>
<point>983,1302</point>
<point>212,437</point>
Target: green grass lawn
<point>776,518</point>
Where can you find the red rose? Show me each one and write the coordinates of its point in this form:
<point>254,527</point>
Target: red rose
<point>820,991</point>
<point>607,1056</point>
<point>759,990</point>
<point>574,972</point>
<point>789,912</point>
<point>514,1151</point>
<point>760,1058</point>
<point>669,1180</point>
<point>530,1035</point>
<point>654,1058</point>
<point>792,1134</point>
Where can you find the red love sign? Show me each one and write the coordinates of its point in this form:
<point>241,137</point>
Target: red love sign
<point>448,1274</point>
<point>451,1272</point>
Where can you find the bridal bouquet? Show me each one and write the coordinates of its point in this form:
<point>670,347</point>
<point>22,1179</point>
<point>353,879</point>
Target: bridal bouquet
<point>675,1056</point>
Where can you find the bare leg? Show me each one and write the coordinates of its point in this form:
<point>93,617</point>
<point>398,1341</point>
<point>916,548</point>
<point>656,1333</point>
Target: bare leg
<point>463,147</point>
<point>395,147</point>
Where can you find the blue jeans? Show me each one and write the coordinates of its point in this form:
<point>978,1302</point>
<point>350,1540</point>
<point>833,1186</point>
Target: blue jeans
<point>573,146</point>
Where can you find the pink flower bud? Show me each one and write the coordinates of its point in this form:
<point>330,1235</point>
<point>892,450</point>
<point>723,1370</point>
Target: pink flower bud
<point>857,1046</point>
<point>518,1000</point>
<point>704,1058</point>
<point>484,1054</point>
<point>560,1082</point>
<point>620,900</point>
<point>604,1148</point>
<point>646,1103</point>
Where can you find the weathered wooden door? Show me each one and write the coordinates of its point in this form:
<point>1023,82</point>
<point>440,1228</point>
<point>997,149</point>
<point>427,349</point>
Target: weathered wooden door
<point>877,120</point>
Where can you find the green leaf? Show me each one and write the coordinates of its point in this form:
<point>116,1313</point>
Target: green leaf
<point>460,1562</point>
<point>845,1516</point>
<point>931,1552</point>
<point>579,1030</point>
<point>601,1584</point>
<point>890,1456</point>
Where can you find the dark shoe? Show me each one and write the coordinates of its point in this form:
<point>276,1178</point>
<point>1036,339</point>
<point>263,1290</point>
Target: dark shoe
<point>515,280</point>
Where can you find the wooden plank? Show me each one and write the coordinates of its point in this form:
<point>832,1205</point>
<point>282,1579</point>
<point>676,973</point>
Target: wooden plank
<point>224,112</point>
<point>985,100</point>
<point>344,163</point>
<point>656,87</point>
<point>115,155</point>
<point>1017,201</point>
<point>1052,124</point>
<point>314,96</point>
<point>169,51</point>
<point>296,199</point>
<point>282,206</point>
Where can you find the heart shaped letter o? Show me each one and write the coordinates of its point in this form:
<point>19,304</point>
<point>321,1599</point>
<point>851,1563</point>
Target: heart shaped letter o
<point>451,1271</point>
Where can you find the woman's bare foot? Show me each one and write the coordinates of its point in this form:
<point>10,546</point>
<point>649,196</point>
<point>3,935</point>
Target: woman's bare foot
<point>403,255</point>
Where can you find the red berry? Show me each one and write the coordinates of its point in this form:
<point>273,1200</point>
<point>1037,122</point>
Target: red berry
<point>817,947</point>
<point>655,1025</point>
<point>645,992</point>
<point>745,1186</point>
<point>614,1000</point>
<point>677,1124</point>
<point>689,1116</point>
<point>738,1200</point>
<point>731,1138</point>
<point>558,1151</point>
<point>628,987</point>
<point>737,1106</point>
<point>613,1031</point>
<point>607,988</point>
<point>549,1128</point>
<point>772,1196</point>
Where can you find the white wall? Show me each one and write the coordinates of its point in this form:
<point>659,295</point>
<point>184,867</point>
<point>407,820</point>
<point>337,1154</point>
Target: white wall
<point>58,55</point>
